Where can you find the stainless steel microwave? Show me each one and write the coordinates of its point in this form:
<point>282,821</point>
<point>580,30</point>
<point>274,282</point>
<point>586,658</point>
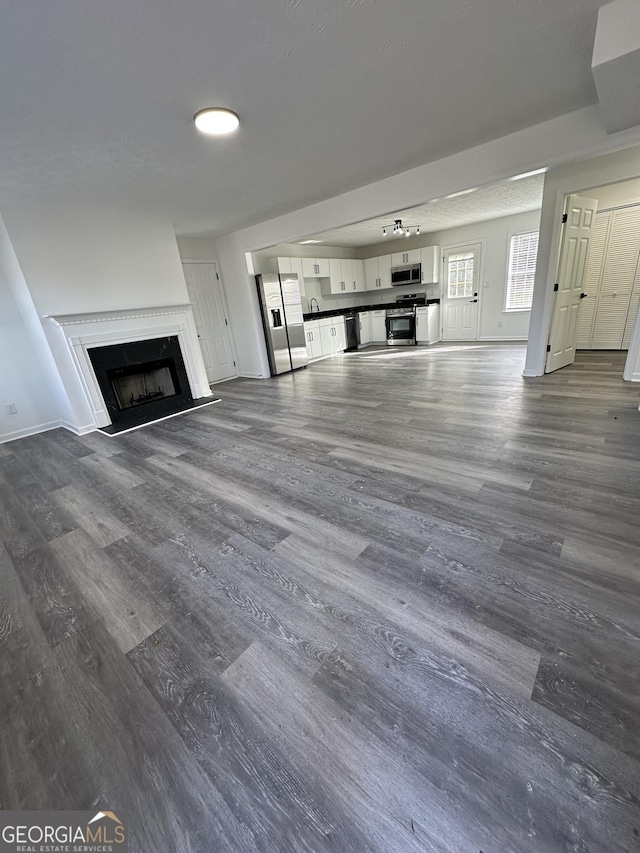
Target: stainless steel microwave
<point>410,274</point>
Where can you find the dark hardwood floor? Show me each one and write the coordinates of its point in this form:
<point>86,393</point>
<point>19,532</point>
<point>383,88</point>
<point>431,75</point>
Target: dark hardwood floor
<point>389,603</point>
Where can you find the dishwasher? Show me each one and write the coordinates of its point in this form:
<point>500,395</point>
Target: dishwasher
<point>352,331</point>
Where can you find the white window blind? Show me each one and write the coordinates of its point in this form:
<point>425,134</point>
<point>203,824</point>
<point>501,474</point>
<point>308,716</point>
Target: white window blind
<point>523,252</point>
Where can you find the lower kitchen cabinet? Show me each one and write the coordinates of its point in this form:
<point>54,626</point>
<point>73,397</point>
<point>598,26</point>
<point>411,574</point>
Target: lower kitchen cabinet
<point>428,324</point>
<point>364,320</point>
<point>312,335</point>
<point>325,337</point>
<point>378,327</point>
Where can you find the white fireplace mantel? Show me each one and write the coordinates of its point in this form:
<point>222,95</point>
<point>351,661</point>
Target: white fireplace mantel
<point>72,335</point>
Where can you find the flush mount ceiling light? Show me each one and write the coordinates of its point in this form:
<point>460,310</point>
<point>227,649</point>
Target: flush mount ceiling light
<point>462,192</point>
<point>399,229</point>
<point>216,121</point>
<point>528,174</point>
<point>306,242</point>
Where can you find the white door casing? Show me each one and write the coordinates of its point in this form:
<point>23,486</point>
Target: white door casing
<point>575,242</point>
<point>209,314</point>
<point>461,292</point>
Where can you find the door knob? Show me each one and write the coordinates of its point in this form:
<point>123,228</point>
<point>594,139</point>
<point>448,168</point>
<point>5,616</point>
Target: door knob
<point>473,300</point>
<point>582,295</point>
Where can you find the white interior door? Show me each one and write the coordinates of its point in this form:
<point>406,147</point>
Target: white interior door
<point>461,293</point>
<point>205,294</point>
<point>574,253</point>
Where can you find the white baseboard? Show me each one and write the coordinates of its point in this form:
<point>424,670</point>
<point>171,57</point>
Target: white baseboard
<point>79,430</point>
<point>529,373</point>
<point>220,381</point>
<point>253,376</point>
<point>32,430</point>
<point>504,338</point>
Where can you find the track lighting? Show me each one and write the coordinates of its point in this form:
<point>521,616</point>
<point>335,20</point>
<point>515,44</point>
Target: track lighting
<point>398,229</point>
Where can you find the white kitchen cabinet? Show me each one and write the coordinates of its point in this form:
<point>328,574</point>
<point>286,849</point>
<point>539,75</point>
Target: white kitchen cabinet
<point>339,335</point>
<point>378,326</point>
<point>346,275</point>
<point>364,320</point>
<point>377,272</point>
<point>428,324</point>
<point>312,335</point>
<point>315,267</point>
<point>371,273</point>
<point>292,265</point>
<point>411,256</point>
<point>430,260</point>
<point>337,284</point>
<point>384,271</point>
<point>332,335</point>
<point>357,274</point>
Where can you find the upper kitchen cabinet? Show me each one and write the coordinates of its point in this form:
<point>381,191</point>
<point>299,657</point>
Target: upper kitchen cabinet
<point>292,265</point>
<point>377,272</point>
<point>430,260</point>
<point>316,267</point>
<point>412,256</point>
<point>357,274</point>
<point>346,275</point>
<point>337,284</point>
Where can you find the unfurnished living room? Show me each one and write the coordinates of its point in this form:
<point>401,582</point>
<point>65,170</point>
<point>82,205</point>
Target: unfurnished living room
<point>319,426</point>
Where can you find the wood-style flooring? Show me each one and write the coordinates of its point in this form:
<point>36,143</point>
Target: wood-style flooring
<point>390,603</point>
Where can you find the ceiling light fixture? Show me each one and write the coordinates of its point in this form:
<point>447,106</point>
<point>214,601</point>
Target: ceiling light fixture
<point>528,174</point>
<point>399,229</point>
<point>216,121</point>
<point>462,192</point>
<point>306,242</point>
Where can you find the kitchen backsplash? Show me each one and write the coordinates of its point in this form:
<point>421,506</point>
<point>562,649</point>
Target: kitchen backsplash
<point>327,302</point>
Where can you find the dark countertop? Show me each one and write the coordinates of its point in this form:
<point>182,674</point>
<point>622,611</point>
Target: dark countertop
<point>336,312</point>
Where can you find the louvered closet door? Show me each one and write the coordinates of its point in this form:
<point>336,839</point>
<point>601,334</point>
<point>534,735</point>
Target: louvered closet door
<point>593,280</point>
<point>618,279</point>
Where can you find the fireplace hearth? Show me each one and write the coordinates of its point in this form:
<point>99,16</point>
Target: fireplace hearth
<point>142,381</point>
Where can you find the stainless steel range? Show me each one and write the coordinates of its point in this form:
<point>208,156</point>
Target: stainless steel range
<point>401,320</point>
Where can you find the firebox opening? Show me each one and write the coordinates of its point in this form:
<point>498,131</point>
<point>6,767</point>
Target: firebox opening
<point>137,385</point>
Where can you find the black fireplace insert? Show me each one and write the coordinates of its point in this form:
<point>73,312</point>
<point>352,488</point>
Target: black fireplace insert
<point>142,381</point>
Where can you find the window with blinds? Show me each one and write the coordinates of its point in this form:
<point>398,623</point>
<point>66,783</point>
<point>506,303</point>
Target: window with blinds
<point>523,252</point>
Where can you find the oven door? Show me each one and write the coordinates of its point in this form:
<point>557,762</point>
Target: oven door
<point>401,330</point>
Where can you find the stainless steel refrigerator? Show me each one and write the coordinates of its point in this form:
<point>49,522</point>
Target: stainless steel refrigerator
<point>281,306</point>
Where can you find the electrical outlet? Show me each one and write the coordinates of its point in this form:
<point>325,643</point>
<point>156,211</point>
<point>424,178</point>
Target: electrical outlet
<point>499,324</point>
<point>11,409</point>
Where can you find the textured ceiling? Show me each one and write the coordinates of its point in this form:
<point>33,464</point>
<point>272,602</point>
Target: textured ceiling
<point>491,202</point>
<point>97,96</point>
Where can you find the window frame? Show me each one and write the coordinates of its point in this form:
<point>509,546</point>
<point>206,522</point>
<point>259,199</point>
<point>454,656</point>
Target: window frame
<point>512,236</point>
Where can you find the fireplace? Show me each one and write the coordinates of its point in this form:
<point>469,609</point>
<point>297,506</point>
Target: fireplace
<point>141,380</point>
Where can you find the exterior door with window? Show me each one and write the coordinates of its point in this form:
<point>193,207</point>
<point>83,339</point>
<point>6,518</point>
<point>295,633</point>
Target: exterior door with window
<point>205,294</point>
<point>461,293</point>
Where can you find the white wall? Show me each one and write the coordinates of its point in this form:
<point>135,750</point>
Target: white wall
<point>577,177</point>
<point>197,248</point>
<point>495,323</point>
<point>561,140</point>
<point>81,261</point>
<point>96,260</point>
<point>28,377</point>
